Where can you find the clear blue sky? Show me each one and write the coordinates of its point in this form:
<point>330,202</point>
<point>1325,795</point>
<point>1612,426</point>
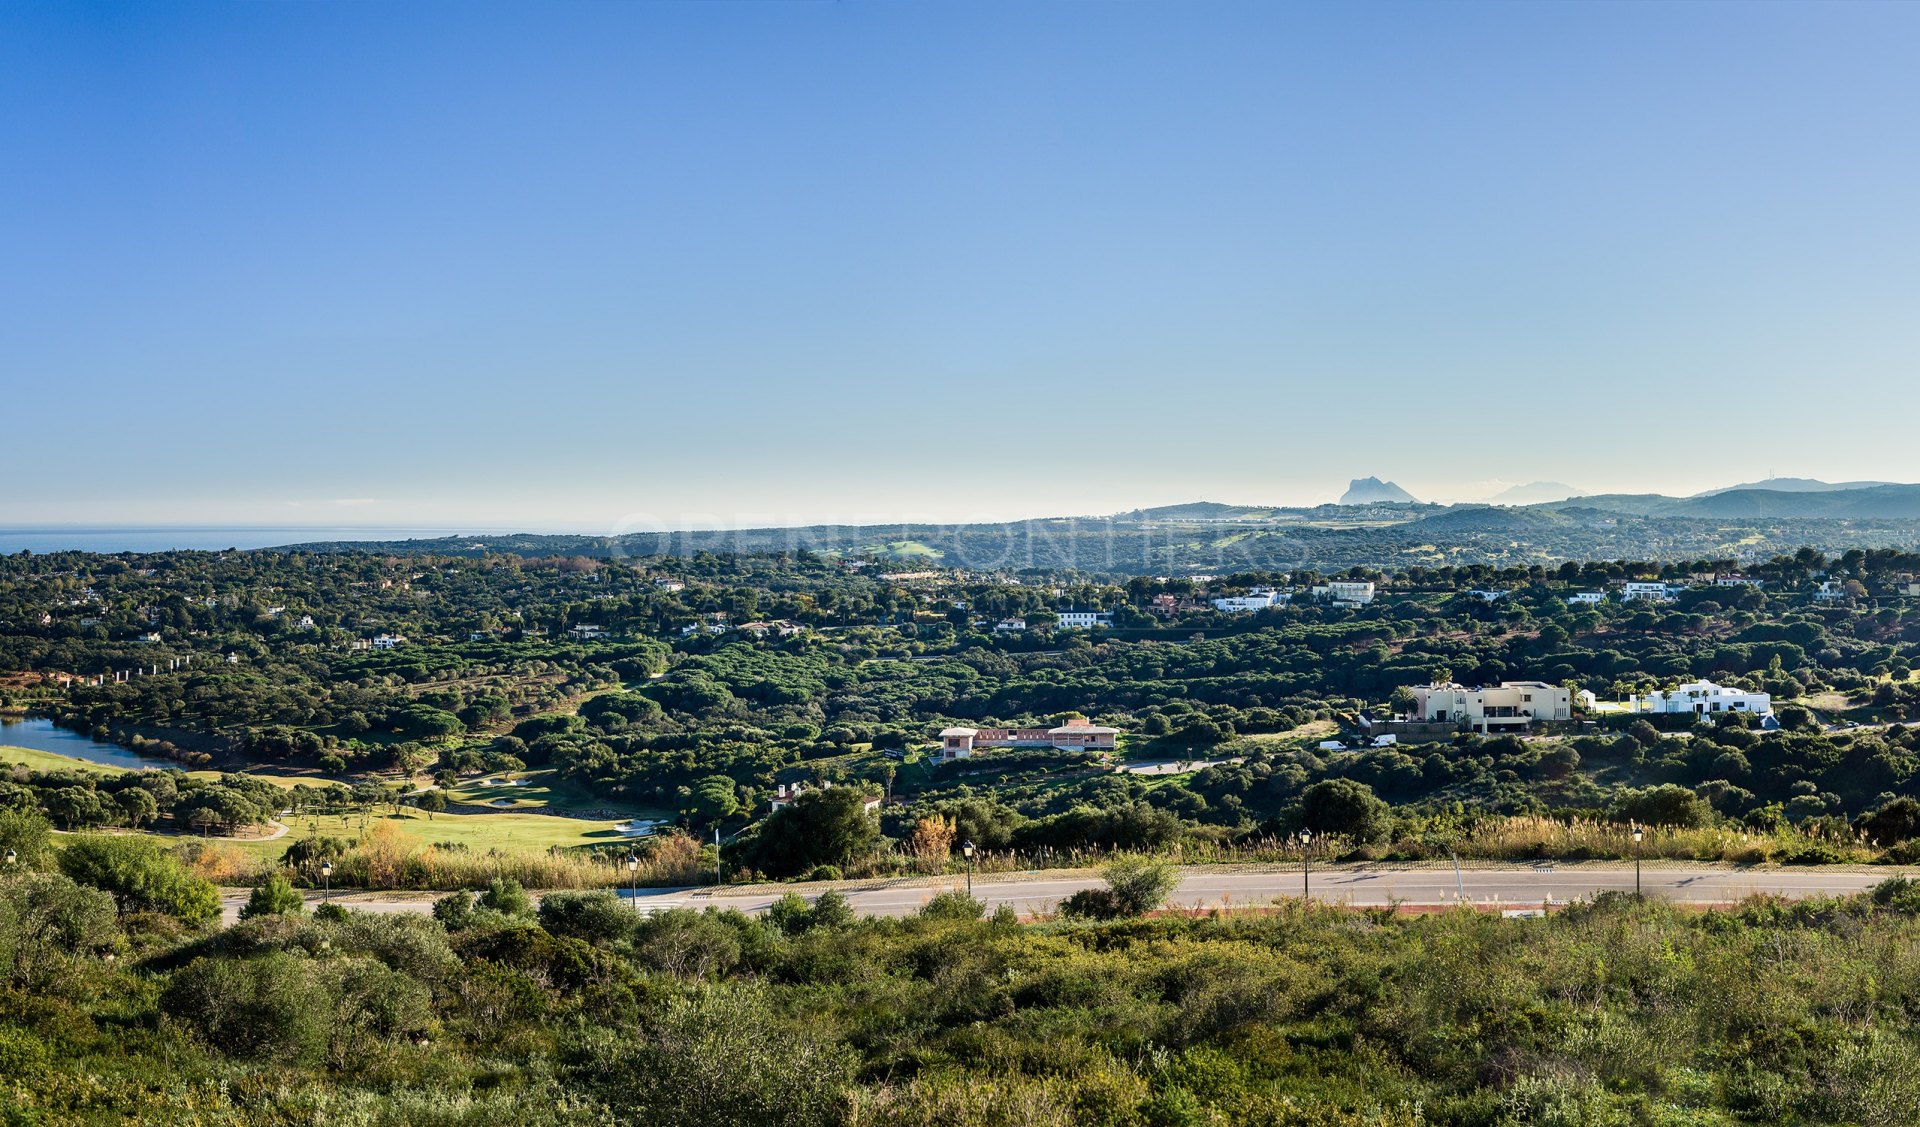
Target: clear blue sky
<point>569,265</point>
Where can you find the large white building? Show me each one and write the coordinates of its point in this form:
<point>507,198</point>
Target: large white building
<point>1704,698</point>
<point>1345,592</point>
<point>1509,706</point>
<point>960,743</point>
<point>1647,592</point>
<point>1084,619</point>
<point>1260,598</point>
<point>1587,599</point>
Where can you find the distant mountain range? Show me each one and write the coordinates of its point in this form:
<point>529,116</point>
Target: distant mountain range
<point>1373,491</point>
<point>1534,493</point>
<point>1796,485</point>
<point>1389,528</point>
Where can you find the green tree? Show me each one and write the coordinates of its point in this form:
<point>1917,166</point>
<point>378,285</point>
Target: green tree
<point>140,876</point>
<point>830,826</point>
<point>1345,808</point>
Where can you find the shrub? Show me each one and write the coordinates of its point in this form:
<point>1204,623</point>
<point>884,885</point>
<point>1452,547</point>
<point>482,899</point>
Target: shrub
<point>953,905</point>
<point>264,1007</point>
<point>140,876</point>
<point>504,895</point>
<point>596,917</point>
<point>1344,808</point>
<point>277,897</point>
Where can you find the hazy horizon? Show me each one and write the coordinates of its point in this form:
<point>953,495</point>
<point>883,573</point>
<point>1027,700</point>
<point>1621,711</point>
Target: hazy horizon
<point>537,267</point>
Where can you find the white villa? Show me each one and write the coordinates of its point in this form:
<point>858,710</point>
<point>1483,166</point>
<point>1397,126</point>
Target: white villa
<point>1704,698</point>
<point>1084,619</point>
<point>1648,592</point>
<point>1260,598</point>
<point>389,641</point>
<point>1510,706</point>
<point>1830,591</point>
<point>1587,599</point>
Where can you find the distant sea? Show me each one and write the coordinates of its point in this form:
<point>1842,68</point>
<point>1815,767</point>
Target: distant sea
<point>212,538</point>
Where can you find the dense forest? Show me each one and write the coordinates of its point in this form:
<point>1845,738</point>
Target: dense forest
<point>637,683</point>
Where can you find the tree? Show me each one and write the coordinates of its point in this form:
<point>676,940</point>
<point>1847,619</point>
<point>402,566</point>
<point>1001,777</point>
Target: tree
<point>138,807</point>
<point>140,876</point>
<point>1893,823</point>
<point>1135,886</point>
<point>1345,808</point>
<point>277,897</point>
<point>29,835</point>
<point>433,802</point>
<point>1664,805</point>
<point>46,920</point>
<point>829,826</point>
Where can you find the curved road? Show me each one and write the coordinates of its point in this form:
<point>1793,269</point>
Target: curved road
<point>1505,886</point>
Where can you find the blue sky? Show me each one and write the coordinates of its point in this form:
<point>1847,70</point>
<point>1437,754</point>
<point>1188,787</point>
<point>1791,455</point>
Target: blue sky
<point>605,265</point>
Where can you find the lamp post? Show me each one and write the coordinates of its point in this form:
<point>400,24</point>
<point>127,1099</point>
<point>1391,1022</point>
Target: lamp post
<point>633,880</point>
<point>326,881</point>
<point>1636,859</point>
<point>1306,862</point>
<point>967,852</point>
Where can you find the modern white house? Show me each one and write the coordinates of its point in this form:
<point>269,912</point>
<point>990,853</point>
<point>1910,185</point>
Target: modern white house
<point>389,641</point>
<point>587,631</point>
<point>1488,595</point>
<point>1704,698</point>
<point>1010,626</point>
<point>1510,706</point>
<point>1344,592</point>
<point>1587,599</point>
<point>1737,581</point>
<point>1648,592</point>
<point>960,743</point>
<point>1830,591</point>
<point>1084,619</point>
<point>1260,598</point>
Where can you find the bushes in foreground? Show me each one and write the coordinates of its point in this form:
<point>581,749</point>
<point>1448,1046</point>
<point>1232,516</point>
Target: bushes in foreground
<point>1618,1011</point>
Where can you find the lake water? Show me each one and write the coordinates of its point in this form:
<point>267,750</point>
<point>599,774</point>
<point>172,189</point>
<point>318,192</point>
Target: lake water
<point>42,735</point>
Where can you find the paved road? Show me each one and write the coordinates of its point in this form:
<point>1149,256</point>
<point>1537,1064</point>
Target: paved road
<point>1502,886</point>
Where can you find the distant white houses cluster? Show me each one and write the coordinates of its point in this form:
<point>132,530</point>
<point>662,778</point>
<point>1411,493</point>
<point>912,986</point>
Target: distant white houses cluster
<point>961,743</point>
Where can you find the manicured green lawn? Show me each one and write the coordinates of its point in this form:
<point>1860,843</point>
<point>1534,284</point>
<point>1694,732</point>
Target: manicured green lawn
<point>48,761</point>
<point>512,832</point>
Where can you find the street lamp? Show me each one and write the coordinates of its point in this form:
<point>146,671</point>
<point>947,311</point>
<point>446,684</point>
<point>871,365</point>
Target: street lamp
<point>633,879</point>
<point>1636,859</point>
<point>966,851</point>
<point>1306,860</point>
<point>326,880</point>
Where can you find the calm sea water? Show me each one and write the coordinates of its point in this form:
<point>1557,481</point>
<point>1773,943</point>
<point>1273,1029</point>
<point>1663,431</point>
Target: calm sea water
<point>211,538</point>
<point>42,735</point>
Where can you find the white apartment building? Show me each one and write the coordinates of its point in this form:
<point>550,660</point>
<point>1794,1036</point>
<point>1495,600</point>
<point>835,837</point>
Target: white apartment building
<point>1510,706</point>
<point>1345,592</point>
<point>1704,698</point>
<point>1084,619</point>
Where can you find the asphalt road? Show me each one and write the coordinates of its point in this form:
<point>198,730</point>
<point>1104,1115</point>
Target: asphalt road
<point>1487,886</point>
